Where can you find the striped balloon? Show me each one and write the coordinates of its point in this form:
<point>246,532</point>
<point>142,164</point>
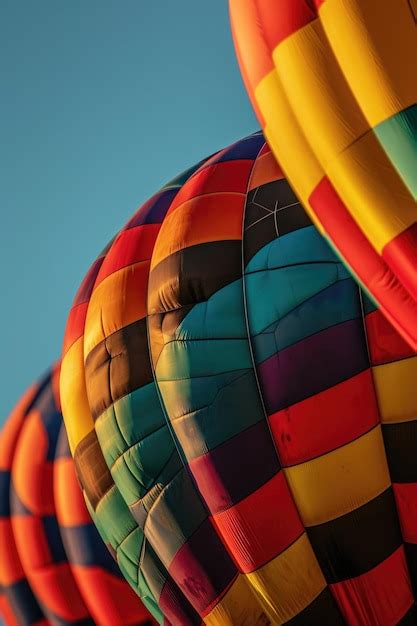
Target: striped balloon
<point>227,382</point>
<point>333,83</point>
<point>18,604</point>
<point>33,514</point>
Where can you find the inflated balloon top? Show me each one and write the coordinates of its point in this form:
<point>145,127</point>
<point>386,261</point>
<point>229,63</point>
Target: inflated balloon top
<point>243,420</point>
<point>334,86</point>
<point>54,567</point>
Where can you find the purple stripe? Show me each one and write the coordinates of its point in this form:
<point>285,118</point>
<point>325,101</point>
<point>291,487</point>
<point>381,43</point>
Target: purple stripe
<point>236,468</point>
<point>312,365</point>
<point>153,210</point>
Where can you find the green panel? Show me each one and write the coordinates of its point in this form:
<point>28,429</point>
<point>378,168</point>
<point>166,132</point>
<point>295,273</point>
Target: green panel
<point>398,136</point>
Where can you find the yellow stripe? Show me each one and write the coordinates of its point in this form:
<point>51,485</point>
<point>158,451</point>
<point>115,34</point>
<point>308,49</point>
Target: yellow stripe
<point>373,191</point>
<point>117,302</point>
<point>336,129</point>
<point>340,481</point>
<point>238,607</point>
<point>395,385</point>
<point>318,93</point>
<point>375,43</point>
<point>287,141</point>
<point>290,582</point>
<point>74,402</point>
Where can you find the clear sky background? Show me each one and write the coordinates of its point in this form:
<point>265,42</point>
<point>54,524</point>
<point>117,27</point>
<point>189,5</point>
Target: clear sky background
<point>102,101</point>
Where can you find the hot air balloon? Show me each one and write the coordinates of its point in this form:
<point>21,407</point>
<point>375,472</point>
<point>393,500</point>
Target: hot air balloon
<point>121,532</point>
<point>228,379</point>
<point>33,516</point>
<point>335,91</point>
<point>18,604</point>
<point>110,600</point>
<point>75,577</point>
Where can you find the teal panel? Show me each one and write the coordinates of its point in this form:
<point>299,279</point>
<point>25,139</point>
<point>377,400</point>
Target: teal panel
<point>272,294</point>
<point>220,316</point>
<point>305,245</point>
<point>398,137</point>
<point>200,429</point>
<point>129,420</point>
<point>185,359</point>
<point>333,305</point>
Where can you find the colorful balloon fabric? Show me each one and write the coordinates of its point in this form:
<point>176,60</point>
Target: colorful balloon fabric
<point>18,604</point>
<point>334,86</point>
<point>33,515</point>
<point>240,412</point>
<point>110,601</point>
<point>54,567</point>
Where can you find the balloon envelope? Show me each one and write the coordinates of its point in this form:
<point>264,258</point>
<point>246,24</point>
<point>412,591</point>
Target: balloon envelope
<point>336,95</point>
<point>18,604</point>
<point>253,408</point>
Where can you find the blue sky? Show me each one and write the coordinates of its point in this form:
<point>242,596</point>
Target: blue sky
<point>102,102</point>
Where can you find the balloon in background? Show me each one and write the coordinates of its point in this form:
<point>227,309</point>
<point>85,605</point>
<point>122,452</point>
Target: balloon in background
<point>18,604</point>
<point>33,515</point>
<point>227,377</point>
<point>110,600</point>
<point>70,570</point>
<point>336,94</point>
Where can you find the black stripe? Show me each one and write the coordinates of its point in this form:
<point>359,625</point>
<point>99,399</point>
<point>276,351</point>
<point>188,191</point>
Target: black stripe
<point>117,366</point>
<point>272,210</point>
<point>193,275</point>
<point>353,544</point>
<point>92,471</point>
<point>322,611</point>
<point>401,445</point>
<point>410,618</point>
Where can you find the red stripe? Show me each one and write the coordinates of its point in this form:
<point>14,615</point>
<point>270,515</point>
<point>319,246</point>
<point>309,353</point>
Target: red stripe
<point>401,255</point>
<point>130,246</point>
<point>370,268</point>
<point>111,601</point>
<point>385,343</point>
<point>223,177</point>
<point>32,543</point>
<point>75,325</point>
<point>32,474</point>
<point>255,517</point>
<point>282,18</point>
<point>406,499</point>
<point>9,433</point>
<point>11,569</point>
<point>381,596</point>
<point>58,592</point>
<point>331,418</point>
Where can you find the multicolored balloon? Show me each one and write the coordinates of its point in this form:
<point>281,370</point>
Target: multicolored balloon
<point>335,91</point>
<point>18,604</point>
<point>235,400</point>
<point>55,568</point>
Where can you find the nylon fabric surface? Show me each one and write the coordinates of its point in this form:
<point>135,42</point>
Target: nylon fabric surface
<point>249,407</point>
<point>334,88</point>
